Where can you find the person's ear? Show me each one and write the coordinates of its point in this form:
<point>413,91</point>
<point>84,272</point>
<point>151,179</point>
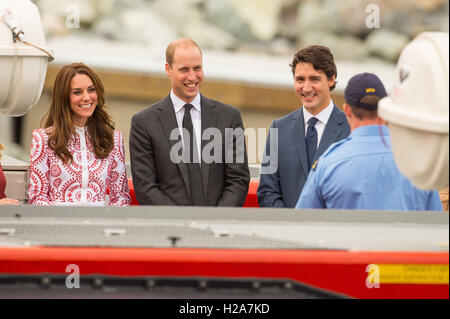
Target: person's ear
<point>168,69</point>
<point>331,81</point>
<point>347,111</point>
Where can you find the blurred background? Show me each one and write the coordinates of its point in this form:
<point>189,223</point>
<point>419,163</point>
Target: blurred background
<point>247,44</point>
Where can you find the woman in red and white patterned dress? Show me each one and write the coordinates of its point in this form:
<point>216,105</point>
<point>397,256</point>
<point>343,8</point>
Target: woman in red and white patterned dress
<point>78,154</point>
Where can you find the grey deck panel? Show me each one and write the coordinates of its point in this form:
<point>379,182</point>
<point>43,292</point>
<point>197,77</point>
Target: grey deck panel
<point>208,227</point>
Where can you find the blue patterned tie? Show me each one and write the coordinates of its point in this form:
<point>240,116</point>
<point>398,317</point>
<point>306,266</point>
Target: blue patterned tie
<point>311,140</point>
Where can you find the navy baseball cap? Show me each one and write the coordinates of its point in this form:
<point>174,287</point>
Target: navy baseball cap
<point>361,85</point>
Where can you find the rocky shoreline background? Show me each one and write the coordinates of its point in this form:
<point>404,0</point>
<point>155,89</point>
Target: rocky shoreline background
<point>260,26</point>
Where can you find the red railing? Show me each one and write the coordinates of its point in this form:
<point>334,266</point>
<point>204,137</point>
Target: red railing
<point>251,201</point>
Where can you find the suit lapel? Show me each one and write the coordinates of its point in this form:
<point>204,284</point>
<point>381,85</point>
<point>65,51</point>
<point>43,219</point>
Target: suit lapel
<point>333,129</point>
<point>168,121</point>
<point>298,137</point>
<point>209,119</point>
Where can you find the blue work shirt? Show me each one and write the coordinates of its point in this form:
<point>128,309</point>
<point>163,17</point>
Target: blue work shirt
<point>359,172</point>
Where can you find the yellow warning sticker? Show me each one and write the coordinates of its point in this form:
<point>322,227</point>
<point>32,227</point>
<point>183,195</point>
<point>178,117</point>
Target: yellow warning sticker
<point>412,274</point>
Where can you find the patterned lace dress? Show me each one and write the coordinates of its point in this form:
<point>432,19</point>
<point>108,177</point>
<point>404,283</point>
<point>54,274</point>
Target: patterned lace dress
<point>84,181</point>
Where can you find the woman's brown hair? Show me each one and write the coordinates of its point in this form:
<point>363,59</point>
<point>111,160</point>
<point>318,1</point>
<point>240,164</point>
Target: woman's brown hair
<point>100,127</point>
<point>1,148</point>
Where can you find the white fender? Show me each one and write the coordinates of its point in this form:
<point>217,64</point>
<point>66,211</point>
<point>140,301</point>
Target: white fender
<point>23,67</point>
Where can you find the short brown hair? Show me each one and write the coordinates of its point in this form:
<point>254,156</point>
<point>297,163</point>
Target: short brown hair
<point>320,57</point>
<point>362,113</point>
<point>100,127</point>
<point>170,51</point>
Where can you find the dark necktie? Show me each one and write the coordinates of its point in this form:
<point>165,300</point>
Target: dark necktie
<point>195,175</point>
<point>311,140</point>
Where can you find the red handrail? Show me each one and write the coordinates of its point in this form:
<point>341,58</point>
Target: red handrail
<point>251,201</point>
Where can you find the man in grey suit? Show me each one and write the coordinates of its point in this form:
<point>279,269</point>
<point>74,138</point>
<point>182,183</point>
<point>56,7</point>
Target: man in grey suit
<point>303,135</point>
<point>212,169</point>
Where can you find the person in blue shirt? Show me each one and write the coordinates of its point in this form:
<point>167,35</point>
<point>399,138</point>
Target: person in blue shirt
<point>359,172</point>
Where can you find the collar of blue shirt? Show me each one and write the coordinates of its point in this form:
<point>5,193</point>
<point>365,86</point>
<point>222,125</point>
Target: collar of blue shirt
<point>370,130</point>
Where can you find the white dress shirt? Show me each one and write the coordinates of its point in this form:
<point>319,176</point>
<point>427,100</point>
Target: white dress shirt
<point>322,117</point>
<point>196,115</point>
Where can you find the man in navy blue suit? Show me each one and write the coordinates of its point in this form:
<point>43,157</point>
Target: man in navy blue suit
<point>297,140</point>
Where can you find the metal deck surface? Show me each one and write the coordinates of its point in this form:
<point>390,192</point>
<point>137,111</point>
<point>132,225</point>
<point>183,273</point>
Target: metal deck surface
<point>208,227</point>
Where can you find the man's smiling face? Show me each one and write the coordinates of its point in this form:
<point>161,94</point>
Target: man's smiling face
<point>186,72</point>
<point>312,87</point>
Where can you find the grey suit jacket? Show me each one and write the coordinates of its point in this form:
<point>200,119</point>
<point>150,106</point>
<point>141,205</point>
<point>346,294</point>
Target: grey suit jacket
<point>157,180</point>
<point>283,187</point>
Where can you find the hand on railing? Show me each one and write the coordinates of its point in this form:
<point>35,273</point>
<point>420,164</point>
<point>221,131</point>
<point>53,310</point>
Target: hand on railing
<point>9,201</point>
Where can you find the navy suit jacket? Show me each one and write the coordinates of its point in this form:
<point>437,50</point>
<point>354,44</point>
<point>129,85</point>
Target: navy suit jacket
<point>281,187</point>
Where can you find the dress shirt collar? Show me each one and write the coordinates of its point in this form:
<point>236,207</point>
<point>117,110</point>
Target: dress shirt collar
<point>79,129</point>
<point>323,116</point>
<point>178,103</point>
